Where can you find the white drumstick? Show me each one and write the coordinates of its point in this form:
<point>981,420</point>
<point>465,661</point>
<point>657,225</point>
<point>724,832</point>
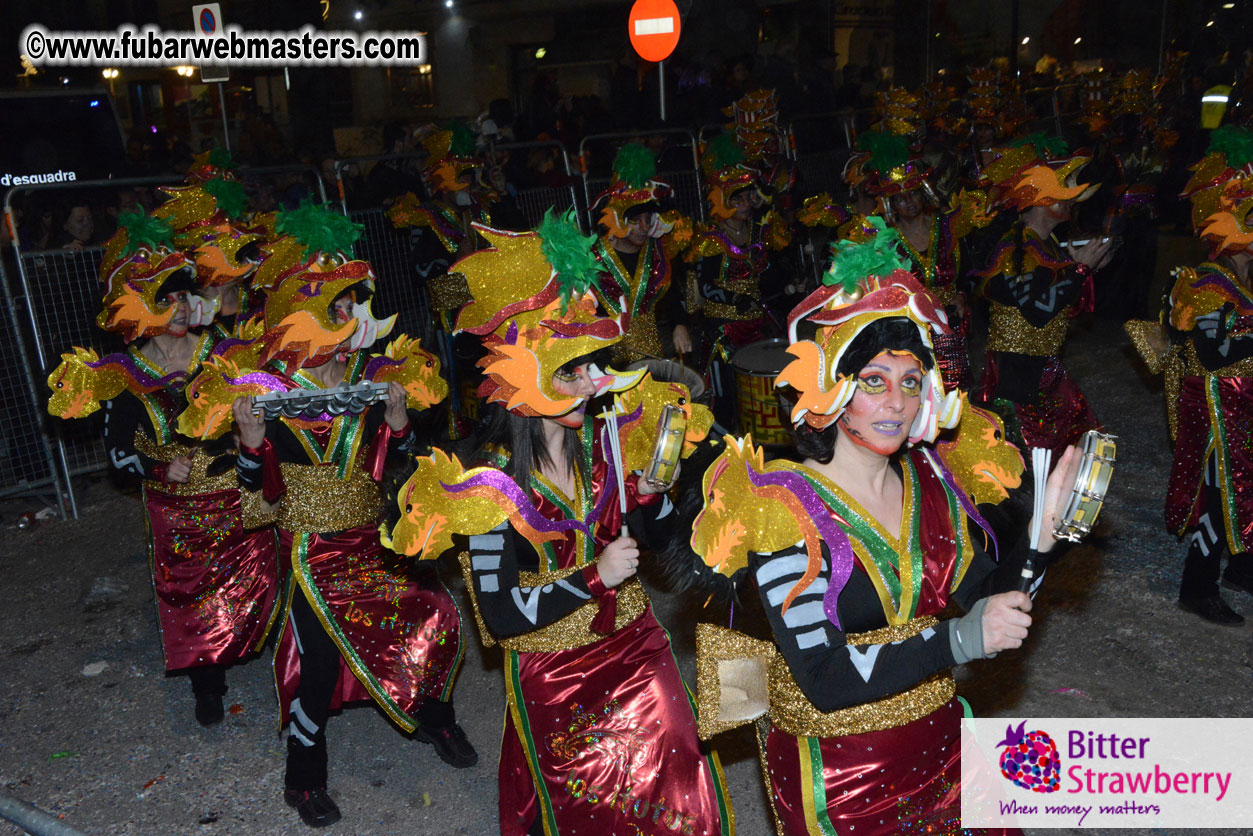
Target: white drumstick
<point>610,416</point>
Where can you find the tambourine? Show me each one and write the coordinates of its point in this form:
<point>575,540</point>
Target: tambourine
<point>667,449</point>
<point>1096,468</point>
<point>315,403</point>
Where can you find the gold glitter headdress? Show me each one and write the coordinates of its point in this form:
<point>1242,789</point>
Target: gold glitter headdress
<point>1037,171</point>
<point>755,123</point>
<point>1221,191</point>
<point>206,216</point>
<point>867,282</point>
<point>725,174</point>
<point>634,170</point>
<point>533,306</point>
<point>451,154</point>
<point>140,267</point>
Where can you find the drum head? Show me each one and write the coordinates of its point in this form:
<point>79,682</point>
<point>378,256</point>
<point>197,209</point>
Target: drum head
<point>764,358</point>
<point>671,371</point>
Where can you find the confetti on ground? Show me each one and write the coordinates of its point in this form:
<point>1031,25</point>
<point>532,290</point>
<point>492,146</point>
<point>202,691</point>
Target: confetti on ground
<point>155,780</point>
<point>426,798</point>
<point>56,755</point>
<point>95,668</point>
<point>237,709</point>
<point>1071,692</point>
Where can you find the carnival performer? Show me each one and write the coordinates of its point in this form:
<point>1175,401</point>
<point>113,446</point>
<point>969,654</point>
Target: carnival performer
<point>600,735</point>
<point>635,254</point>
<point>357,623</point>
<point>207,214</point>
<point>1035,288</point>
<point>732,255</point>
<point>856,550</point>
<point>930,238</point>
<point>1210,387</point>
<point>212,552</point>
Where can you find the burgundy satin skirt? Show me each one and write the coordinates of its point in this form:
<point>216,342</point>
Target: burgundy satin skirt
<point>399,634</point>
<point>216,583</point>
<point>1062,415</point>
<point>1220,409</point>
<point>602,739</point>
<point>883,783</point>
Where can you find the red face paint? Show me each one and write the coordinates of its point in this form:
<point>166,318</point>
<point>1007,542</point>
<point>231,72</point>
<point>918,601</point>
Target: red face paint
<point>882,410</point>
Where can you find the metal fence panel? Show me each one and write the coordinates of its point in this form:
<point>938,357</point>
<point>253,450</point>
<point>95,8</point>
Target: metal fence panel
<point>400,290</point>
<point>27,466</point>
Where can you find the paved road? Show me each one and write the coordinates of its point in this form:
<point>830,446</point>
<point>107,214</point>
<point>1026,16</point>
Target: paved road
<point>92,730</point>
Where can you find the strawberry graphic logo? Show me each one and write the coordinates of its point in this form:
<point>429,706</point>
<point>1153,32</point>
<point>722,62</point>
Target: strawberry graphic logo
<point>1030,759</point>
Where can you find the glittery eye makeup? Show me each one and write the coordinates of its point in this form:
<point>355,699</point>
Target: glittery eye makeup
<point>911,385</point>
<point>873,384</point>
<point>566,377</point>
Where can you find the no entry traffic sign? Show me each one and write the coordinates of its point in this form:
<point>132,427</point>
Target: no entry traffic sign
<point>654,28</point>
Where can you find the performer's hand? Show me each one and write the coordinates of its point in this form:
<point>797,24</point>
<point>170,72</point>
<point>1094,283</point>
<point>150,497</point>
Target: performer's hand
<point>251,427</point>
<point>1057,493</point>
<point>619,561</point>
<point>1096,254</point>
<point>178,470</point>
<point>682,340</point>
<point>395,414</point>
<point>1005,621</point>
<point>644,488</point>
<point>960,307</point>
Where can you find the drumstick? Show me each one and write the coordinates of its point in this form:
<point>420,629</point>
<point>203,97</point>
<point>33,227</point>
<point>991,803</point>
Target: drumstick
<point>610,415</point>
<point>1041,458</point>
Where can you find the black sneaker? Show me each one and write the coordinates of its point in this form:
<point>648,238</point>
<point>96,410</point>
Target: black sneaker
<point>1213,609</point>
<point>209,709</point>
<point>450,744</point>
<point>315,807</point>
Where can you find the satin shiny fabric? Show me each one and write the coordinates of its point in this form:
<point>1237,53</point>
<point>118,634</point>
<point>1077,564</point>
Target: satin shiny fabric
<point>904,780</point>
<point>1062,414</point>
<point>952,355</point>
<point>216,584</point>
<point>607,733</point>
<point>399,636</point>
<point>1215,411</point>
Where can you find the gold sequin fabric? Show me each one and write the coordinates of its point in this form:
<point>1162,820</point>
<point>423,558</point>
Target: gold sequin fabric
<point>641,340</point>
<point>1009,331</point>
<point>318,500</point>
<point>715,645</point>
<point>198,481</point>
<point>575,630</point>
<point>794,714</point>
<point>717,310</point>
<point>449,292</point>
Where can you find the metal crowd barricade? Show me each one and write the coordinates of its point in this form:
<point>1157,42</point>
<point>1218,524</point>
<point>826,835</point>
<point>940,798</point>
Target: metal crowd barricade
<point>679,166</point>
<point>61,293</point>
<point>27,465</point>
<point>535,200</point>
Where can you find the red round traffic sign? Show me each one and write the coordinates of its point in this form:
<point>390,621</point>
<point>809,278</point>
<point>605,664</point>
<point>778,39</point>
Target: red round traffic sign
<point>654,28</point>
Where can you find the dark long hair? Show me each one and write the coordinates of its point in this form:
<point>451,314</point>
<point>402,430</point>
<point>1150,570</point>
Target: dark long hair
<point>890,334</point>
<point>522,439</point>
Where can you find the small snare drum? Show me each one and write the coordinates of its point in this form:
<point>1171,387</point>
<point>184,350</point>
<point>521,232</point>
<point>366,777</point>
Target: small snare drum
<point>756,367</point>
<point>667,449</point>
<point>1088,494</point>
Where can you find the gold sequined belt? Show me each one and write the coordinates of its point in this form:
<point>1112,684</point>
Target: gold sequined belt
<point>575,629</point>
<point>1009,331</point>
<point>717,310</point>
<point>198,480</point>
<point>317,500</point>
<point>794,714</point>
<point>641,340</point>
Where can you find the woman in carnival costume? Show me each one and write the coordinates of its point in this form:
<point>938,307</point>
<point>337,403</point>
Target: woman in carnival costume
<point>357,624</point>
<point>1034,289</point>
<point>214,564</point>
<point>732,255</point>
<point>600,735</point>
<point>856,550</point>
<point>1210,382</point>
<point>635,254</point>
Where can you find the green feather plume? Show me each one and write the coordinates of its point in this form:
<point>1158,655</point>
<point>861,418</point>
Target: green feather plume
<point>221,158</point>
<point>319,229</point>
<point>1046,146</point>
<point>635,165</point>
<point>569,252</point>
<point>877,256</point>
<point>463,140</point>
<point>887,151</point>
<point>1234,143</point>
<point>723,151</point>
<point>143,230</point>
<point>229,195</point>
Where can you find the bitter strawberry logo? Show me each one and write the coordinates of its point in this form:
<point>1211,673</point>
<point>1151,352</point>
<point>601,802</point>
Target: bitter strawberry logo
<point>1030,759</point>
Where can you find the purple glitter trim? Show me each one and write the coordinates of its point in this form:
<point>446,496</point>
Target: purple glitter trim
<point>129,365</point>
<point>499,481</point>
<point>377,363</point>
<point>841,549</point>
